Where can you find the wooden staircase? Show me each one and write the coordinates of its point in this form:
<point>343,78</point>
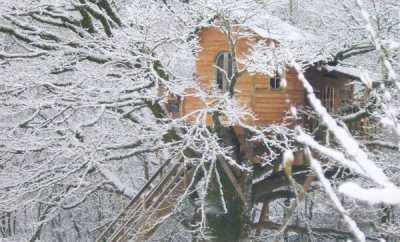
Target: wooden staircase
<point>156,201</point>
<point>151,206</point>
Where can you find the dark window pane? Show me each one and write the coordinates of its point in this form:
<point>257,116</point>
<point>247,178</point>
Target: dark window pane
<point>224,69</point>
<point>220,73</point>
<point>229,72</point>
<point>275,82</point>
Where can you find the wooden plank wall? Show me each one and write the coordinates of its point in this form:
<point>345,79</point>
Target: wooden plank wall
<point>341,83</point>
<point>269,105</point>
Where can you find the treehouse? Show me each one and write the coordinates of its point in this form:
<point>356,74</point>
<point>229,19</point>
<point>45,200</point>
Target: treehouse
<point>264,95</point>
<point>269,97</point>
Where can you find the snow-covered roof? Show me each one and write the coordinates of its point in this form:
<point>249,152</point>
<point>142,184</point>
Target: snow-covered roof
<point>350,71</point>
<point>367,78</point>
<point>272,27</point>
<point>268,26</point>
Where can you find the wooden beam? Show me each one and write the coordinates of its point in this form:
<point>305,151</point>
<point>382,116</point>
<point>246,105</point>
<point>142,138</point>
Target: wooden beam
<point>233,180</point>
<point>294,205</point>
<point>263,217</point>
<point>304,230</point>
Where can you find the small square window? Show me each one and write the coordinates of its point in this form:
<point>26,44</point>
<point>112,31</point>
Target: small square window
<point>173,105</point>
<point>275,82</point>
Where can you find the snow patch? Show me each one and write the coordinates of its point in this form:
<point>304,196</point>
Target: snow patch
<point>389,195</point>
<point>272,27</point>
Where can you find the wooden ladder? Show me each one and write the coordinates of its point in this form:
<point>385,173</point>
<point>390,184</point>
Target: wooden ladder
<point>151,205</point>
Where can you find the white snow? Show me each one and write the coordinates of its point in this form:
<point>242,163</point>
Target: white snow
<point>343,137</point>
<point>272,27</point>
<point>358,73</point>
<point>315,165</point>
<point>371,195</point>
<point>351,71</point>
<point>114,179</point>
<point>363,75</point>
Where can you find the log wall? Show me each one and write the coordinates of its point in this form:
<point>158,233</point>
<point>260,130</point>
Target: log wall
<point>253,90</point>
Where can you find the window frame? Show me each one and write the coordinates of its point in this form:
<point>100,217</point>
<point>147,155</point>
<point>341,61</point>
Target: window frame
<point>328,95</point>
<point>227,67</point>
<point>274,79</point>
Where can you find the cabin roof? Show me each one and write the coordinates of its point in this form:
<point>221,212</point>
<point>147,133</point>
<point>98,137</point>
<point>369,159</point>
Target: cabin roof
<point>347,71</point>
<point>272,27</point>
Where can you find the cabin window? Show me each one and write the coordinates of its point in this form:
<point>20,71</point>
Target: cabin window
<point>173,105</point>
<point>224,70</point>
<point>275,81</point>
<point>328,98</point>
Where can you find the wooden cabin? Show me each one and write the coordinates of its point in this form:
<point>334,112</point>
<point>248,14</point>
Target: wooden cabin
<point>262,94</point>
<point>333,86</point>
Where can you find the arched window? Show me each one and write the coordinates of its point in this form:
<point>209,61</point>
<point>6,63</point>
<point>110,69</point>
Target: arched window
<point>275,81</point>
<point>224,70</point>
